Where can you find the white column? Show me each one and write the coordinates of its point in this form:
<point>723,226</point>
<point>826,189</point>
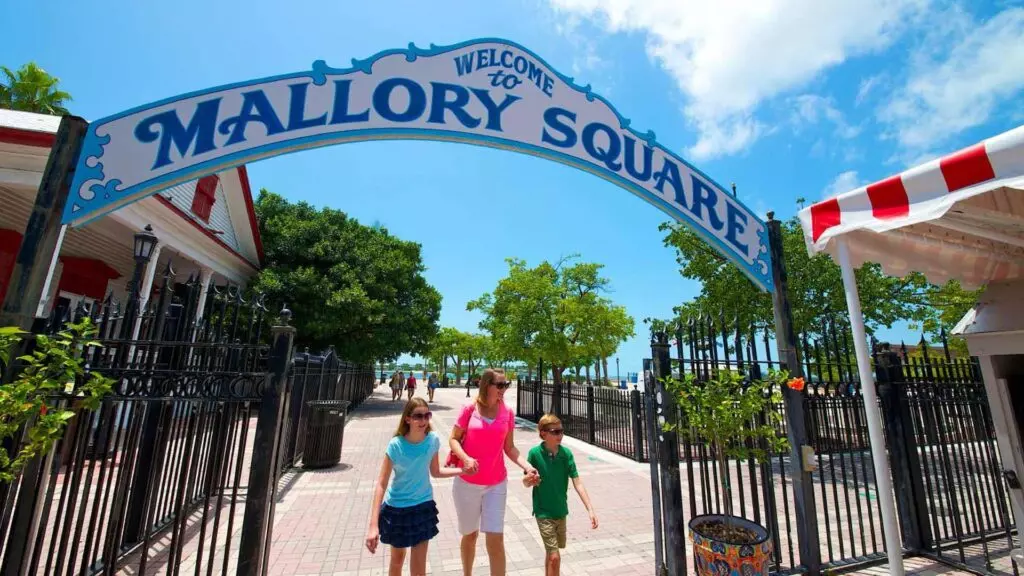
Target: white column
<point>886,498</point>
<point>147,277</point>
<point>205,278</point>
<point>41,307</point>
<point>145,290</point>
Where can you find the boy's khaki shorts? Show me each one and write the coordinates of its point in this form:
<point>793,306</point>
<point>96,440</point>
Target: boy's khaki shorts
<point>552,532</point>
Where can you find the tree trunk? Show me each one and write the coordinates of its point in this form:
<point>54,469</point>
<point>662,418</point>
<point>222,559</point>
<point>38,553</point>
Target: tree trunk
<point>597,372</point>
<point>588,373</point>
<point>604,361</point>
<point>556,391</point>
<point>529,373</point>
<point>458,372</point>
<point>724,477</point>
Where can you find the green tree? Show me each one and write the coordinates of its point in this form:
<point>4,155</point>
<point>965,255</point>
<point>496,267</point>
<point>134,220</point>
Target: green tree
<point>544,312</point>
<point>447,347</point>
<point>32,89</point>
<point>735,416</point>
<point>30,421</point>
<point>475,348</point>
<point>815,288</point>
<point>352,286</point>
<point>604,328</point>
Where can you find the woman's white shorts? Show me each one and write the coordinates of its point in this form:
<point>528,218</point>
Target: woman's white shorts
<point>480,507</point>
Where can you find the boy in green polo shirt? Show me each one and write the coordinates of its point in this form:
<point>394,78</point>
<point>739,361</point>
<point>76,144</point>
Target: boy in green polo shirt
<point>556,466</point>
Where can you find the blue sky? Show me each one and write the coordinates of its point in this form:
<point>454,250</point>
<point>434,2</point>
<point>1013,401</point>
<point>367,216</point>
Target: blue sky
<point>785,98</point>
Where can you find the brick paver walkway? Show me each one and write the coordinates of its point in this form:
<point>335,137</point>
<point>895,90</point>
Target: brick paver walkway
<point>321,515</point>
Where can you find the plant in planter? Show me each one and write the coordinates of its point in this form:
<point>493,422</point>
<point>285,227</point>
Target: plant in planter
<point>53,370</point>
<point>738,418</point>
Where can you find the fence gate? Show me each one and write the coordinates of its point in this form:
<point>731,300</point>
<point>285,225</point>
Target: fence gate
<point>952,500</point>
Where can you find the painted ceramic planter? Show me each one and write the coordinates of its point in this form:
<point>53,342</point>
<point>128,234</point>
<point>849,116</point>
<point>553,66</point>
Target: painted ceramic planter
<point>712,557</point>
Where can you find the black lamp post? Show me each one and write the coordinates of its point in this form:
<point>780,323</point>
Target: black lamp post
<point>618,377</point>
<point>145,243</point>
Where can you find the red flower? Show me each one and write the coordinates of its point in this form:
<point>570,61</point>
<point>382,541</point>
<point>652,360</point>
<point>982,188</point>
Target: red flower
<point>796,384</point>
<point>42,410</point>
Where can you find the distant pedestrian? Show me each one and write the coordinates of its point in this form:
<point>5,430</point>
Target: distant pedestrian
<point>432,384</point>
<point>555,465</point>
<point>410,384</point>
<point>396,387</point>
<point>404,514</point>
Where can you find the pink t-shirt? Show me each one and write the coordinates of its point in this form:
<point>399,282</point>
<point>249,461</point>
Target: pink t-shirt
<point>485,442</point>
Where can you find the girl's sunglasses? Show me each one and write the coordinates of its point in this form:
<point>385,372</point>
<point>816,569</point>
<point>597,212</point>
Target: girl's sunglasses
<point>421,415</point>
<point>554,431</point>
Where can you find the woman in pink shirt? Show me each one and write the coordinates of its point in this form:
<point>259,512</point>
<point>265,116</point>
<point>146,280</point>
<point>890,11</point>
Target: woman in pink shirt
<point>481,438</point>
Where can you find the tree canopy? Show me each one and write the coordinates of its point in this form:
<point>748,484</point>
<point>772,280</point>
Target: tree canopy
<point>815,288</point>
<point>352,286</point>
<point>553,311</point>
<point>32,89</point>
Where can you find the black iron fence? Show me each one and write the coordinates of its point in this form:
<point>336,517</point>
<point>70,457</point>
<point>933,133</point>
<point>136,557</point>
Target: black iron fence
<point>320,377</point>
<point>177,469</point>
<point>607,417</point>
<point>952,501</point>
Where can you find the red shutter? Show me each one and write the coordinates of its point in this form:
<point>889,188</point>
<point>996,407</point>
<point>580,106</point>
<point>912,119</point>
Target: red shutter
<point>205,196</point>
<point>10,241</point>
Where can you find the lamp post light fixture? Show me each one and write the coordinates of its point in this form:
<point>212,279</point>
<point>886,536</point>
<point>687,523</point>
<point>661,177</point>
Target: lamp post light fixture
<point>145,242</point>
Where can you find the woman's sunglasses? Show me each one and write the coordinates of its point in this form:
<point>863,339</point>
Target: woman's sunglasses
<point>421,415</point>
<point>502,385</point>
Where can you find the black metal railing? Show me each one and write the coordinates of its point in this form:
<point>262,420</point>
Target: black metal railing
<point>947,460</point>
<point>606,417</point>
<point>160,475</point>
<point>319,377</point>
<point>163,456</point>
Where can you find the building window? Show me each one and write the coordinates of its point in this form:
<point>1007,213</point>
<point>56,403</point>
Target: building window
<point>205,196</point>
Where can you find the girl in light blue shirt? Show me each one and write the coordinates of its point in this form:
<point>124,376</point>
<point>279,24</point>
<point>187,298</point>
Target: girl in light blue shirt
<point>403,514</point>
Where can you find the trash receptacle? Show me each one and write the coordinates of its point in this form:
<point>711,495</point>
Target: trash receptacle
<point>325,430</point>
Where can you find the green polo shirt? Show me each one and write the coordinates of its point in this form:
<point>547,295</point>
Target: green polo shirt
<point>550,497</point>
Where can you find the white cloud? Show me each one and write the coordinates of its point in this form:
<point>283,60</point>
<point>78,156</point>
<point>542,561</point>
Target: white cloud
<point>729,56</point>
<point>585,56</point>
<point>950,91</point>
<point>811,109</point>
<point>867,85</point>
<point>845,182</point>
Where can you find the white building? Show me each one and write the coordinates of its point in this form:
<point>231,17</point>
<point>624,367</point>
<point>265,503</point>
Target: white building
<point>206,227</point>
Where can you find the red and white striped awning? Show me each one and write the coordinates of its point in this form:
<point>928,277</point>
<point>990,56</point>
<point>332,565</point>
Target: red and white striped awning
<point>961,216</point>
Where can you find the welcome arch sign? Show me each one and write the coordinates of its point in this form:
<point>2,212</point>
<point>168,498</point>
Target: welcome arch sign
<point>487,92</point>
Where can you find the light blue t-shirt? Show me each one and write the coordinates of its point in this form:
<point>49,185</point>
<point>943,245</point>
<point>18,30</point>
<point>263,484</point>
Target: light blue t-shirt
<point>410,484</point>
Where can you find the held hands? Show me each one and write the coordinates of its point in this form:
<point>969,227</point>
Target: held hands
<point>531,477</point>
<point>372,539</point>
<point>470,466</point>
